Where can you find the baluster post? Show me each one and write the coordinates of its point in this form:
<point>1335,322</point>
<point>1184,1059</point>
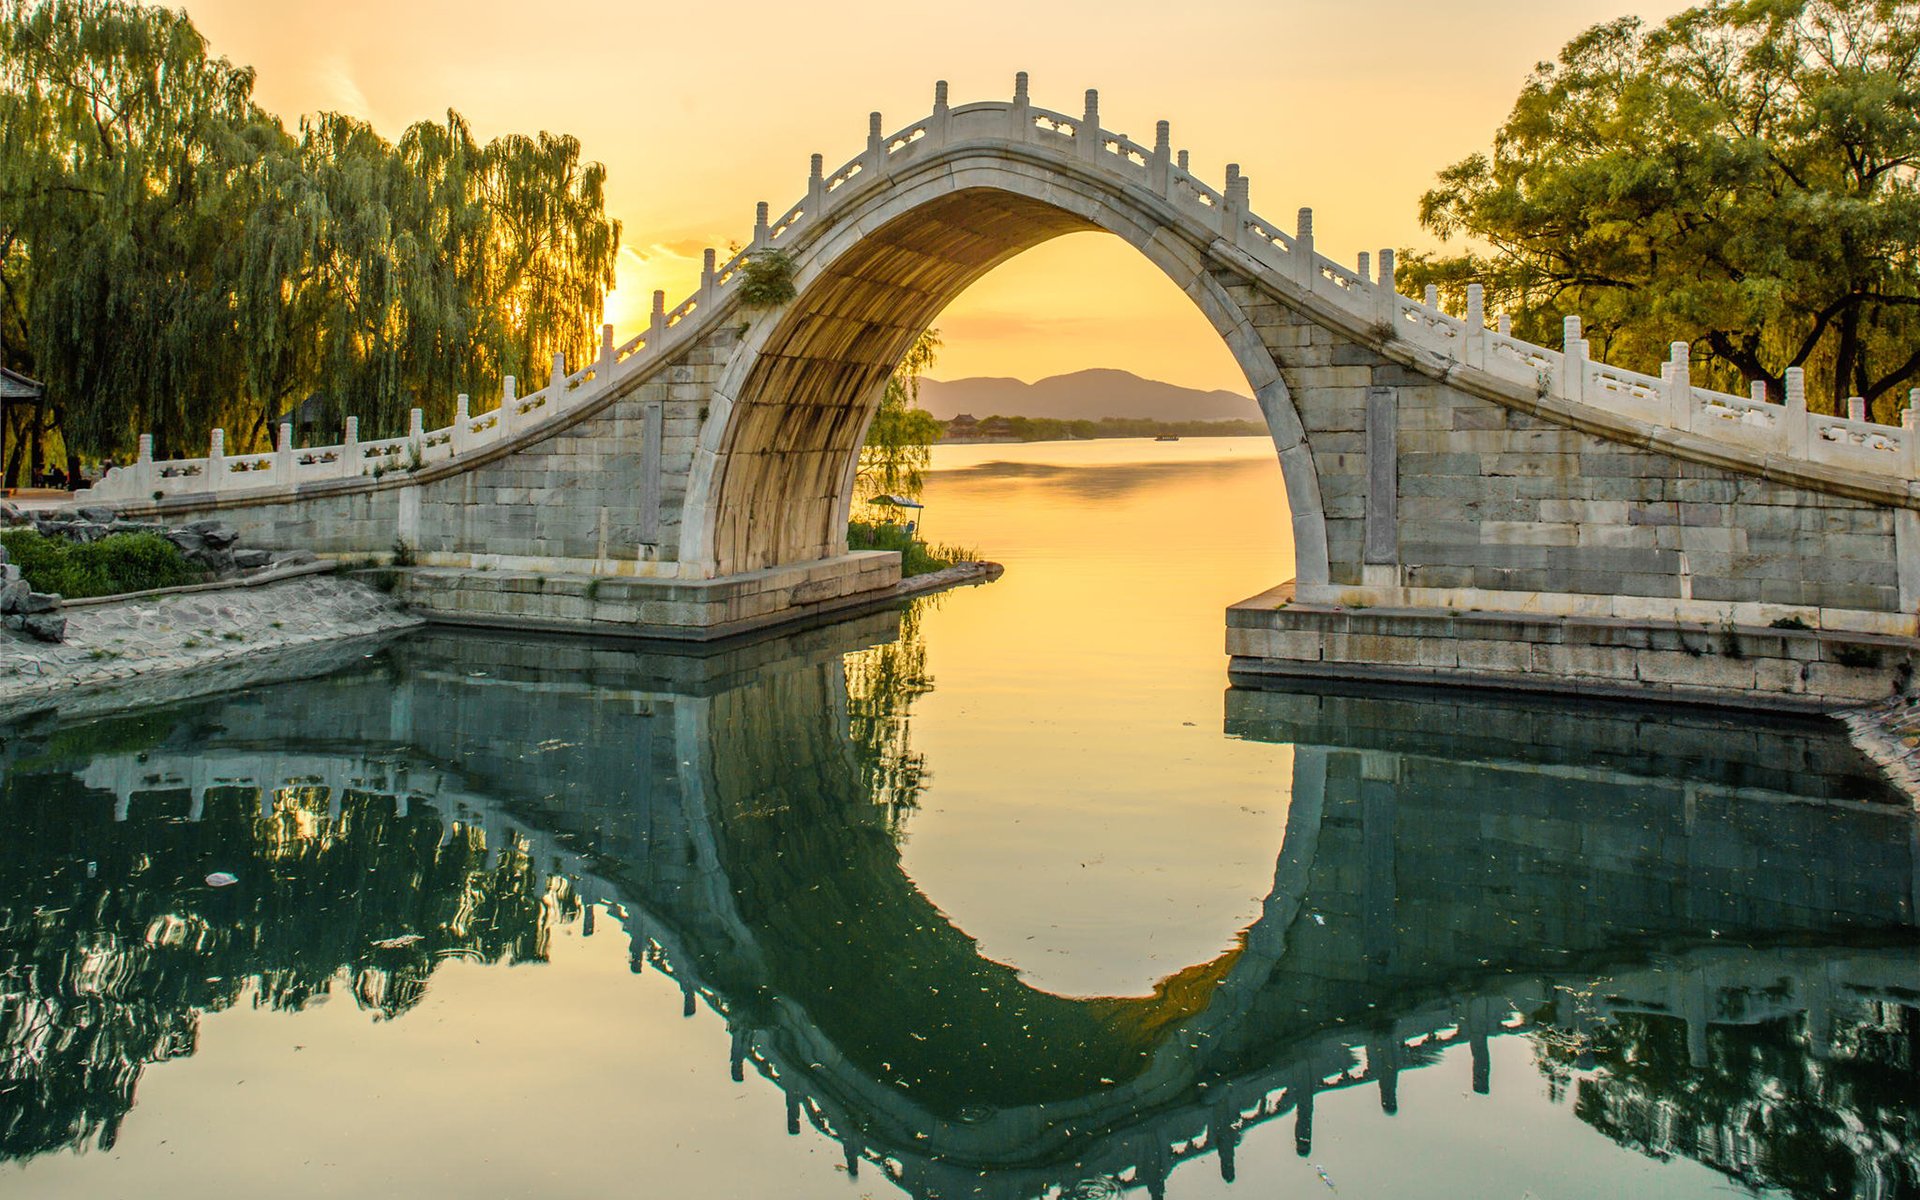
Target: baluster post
<point>462,421</point>
<point>217,460</point>
<point>1308,270</point>
<point>1798,423</point>
<point>1230,210</point>
<point>509,401</point>
<point>761,234</point>
<point>143,472</point>
<point>657,320</point>
<point>416,438</point>
<point>816,188</point>
<point>1020,115</point>
<point>557,384</point>
<point>1431,297</point>
<point>1157,172</point>
<point>1476,338</point>
<point>942,115</point>
<point>1757,391</point>
<point>283,456</point>
<point>1910,421</point>
<point>709,273</point>
<point>1389,296</point>
<point>1679,375</point>
<point>1573,361</point>
<point>1856,408</point>
<point>1086,135</point>
<point>876,145</point>
<point>603,371</point>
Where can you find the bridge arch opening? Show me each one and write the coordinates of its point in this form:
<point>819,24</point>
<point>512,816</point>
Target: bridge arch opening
<point>773,481</point>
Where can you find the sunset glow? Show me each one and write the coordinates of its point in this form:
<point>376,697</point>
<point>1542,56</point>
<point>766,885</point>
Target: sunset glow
<point>698,110</point>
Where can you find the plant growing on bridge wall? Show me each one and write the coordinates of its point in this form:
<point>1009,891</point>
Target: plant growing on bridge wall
<point>767,279</point>
<point>1741,177</point>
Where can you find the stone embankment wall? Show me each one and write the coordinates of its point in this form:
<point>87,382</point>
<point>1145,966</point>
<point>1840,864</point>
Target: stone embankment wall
<point>1440,497</point>
<point>215,636</point>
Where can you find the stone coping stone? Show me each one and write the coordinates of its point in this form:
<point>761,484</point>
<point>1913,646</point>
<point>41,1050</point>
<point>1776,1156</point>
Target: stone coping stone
<point>784,619</point>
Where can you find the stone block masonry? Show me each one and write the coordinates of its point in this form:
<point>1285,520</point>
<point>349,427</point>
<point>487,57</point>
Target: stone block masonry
<point>1274,638</point>
<point>1434,464</point>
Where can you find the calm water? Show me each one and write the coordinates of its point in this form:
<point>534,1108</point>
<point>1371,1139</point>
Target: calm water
<point>1007,898</point>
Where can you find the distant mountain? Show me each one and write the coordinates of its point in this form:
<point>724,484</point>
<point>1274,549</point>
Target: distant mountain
<point>1083,395</point>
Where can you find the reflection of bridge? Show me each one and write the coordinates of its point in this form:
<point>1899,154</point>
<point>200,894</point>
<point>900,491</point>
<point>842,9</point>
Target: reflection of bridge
<point>1431,892</point>
<point>702,472</point>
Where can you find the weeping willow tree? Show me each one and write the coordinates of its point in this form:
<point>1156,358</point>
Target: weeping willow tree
<point>173,259</point>
<point>899,445</point>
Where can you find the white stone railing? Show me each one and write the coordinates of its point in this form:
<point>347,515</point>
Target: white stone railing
<point>1746,422</point>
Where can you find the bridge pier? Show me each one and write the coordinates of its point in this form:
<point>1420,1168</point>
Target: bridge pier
<point>1274,638</point>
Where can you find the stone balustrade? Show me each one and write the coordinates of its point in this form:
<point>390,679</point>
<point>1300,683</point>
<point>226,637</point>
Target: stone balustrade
<point>1367,298</point>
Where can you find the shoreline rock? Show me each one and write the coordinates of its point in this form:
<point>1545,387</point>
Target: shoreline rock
<point>122,643</point>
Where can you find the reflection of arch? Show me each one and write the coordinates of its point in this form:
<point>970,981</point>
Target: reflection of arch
<point>732,870</point>
<point>772,477</point>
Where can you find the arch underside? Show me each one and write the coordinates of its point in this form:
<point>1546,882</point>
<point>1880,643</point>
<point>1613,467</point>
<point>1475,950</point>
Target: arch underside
<point>802,412</point>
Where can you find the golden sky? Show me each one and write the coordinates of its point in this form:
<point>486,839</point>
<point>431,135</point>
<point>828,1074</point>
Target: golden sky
<point>699,110</point>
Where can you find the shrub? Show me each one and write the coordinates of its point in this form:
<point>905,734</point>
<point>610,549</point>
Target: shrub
<point>916,557</point>
<point>766,280</point>
<point>123,562</point>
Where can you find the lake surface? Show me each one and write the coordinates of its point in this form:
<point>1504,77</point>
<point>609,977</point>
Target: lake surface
<point>1008,896</point>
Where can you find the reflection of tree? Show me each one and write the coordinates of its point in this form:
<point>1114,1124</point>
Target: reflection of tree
<point>882,684</point>
<point>112,943</point>
<point>1768,1110</point>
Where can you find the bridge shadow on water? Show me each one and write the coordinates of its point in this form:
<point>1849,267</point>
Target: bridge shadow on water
<point>1706,924</point>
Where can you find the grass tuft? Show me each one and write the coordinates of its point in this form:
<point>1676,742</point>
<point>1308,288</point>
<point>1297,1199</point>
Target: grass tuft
<point>916,557</point>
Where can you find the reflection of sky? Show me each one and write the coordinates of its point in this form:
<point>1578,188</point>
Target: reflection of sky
<point>1087,820</point>
<point>701,110</point>
<point>1076,713</point>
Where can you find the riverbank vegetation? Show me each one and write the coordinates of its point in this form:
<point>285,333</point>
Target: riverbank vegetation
<point>1741,177</point>
<point>174,259</point>
<point>916,557</point>
<point>112,566</point>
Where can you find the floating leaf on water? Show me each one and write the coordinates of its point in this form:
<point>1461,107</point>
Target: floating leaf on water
<point>222,879</point>
<point>397,943</point>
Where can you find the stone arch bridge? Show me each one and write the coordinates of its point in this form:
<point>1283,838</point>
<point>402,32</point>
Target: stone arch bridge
<point>1464,504</point>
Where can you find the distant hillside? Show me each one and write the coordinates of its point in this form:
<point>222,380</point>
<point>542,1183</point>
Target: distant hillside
<point>1083,396</point>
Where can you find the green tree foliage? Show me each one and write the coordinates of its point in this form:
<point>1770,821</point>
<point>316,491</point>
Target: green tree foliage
<point>112,566</point>
<point>318,900</point>
<point>899,445</point>
<point>1741,177</point>
<point>172,259</point>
